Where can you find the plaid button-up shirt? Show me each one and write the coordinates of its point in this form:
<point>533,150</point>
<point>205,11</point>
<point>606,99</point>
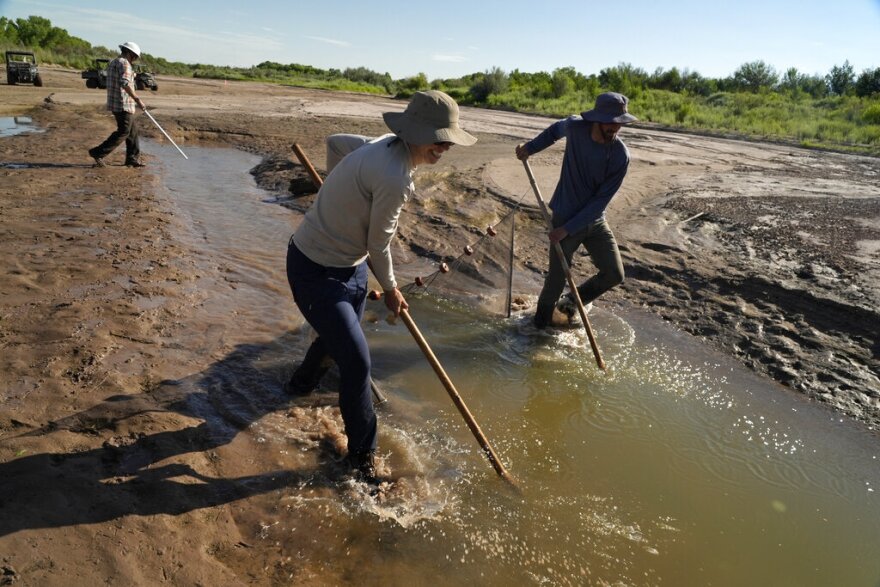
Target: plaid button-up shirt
<point>119,75</point>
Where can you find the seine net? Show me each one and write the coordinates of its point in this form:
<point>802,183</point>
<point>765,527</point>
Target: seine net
<point>482,273</point>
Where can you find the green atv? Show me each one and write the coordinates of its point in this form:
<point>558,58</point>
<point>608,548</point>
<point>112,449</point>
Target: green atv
<point>144,79</point>
<point>21,68</point>
<point>96,76</point>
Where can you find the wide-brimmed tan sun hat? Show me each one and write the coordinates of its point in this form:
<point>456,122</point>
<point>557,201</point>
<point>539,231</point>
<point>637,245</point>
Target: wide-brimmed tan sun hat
<point>430,117</point>
<point>611,109</point>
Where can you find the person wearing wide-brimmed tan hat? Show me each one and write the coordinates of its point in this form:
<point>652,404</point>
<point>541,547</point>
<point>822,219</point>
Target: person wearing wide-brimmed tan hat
<point>354,218</point>
<point>593,167</point>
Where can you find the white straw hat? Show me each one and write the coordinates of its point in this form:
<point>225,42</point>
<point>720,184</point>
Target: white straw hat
<point>131,46</point>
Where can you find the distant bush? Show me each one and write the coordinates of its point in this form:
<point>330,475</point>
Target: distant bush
<point>755,77</point>
<point>492,82</point>
<point>409,86</point>
<point>868,83</point>
<point>370,77</point>
<point>871,115</point>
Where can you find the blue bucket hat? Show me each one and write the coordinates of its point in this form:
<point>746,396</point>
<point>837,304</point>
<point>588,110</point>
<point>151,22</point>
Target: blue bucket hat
<point>610,109</point>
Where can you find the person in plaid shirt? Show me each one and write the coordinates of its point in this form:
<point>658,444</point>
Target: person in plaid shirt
<point>121,101</point>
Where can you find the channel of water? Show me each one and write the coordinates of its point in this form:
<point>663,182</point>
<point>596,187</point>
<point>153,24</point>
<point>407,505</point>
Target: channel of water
<point>677,467</point>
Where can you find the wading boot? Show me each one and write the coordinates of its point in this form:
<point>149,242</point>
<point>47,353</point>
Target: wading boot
<point>99,161</point>
<point>543,317</point>
<point>568,306</point>
<point>305,381</point>
<point>364,466</point>
<point>307,376</point>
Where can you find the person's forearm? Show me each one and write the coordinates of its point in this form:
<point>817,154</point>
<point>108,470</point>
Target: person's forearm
<point>134,96</point>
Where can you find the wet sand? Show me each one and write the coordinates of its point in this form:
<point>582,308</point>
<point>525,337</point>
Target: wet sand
<point>767,252</point>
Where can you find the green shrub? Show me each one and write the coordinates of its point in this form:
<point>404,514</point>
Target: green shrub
<point>871,114</point>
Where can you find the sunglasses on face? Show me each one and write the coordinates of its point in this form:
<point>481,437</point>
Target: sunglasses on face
<point>446,144</point>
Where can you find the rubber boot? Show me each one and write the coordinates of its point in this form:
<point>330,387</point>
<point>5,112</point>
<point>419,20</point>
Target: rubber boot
<point>307,376</point>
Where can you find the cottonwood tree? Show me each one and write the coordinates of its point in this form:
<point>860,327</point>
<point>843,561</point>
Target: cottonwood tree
<point>795,82</point>
<point>868,83</point>
<point>755,76</point>
<point>494,81</point>
<point>840,78</point>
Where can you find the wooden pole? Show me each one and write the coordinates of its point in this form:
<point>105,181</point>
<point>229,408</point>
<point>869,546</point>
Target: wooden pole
<point>316,179</point>
<point>571,284</point>
<point>456,398</point>
<point>510,263</point>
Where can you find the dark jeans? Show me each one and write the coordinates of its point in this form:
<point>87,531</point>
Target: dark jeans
<point>126,130</point>
<point>602,247</point>
<point>332,300</point>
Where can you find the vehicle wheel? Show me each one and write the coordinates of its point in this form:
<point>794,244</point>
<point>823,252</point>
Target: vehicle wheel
<point>92,83</point>
<point>154,88</point>
<point>139,85</point>
<point>38,81</point>
<point>10,81</point>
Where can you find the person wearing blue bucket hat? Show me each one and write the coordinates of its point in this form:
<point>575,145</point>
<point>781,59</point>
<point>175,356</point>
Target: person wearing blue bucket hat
<point>593,167</point>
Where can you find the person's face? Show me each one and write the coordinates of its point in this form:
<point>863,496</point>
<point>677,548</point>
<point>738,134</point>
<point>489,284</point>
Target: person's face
<point>429,153</point>
<point>609,131</point>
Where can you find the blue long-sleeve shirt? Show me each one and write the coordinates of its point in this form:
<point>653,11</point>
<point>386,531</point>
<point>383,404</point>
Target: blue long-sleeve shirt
<point>591,172</point>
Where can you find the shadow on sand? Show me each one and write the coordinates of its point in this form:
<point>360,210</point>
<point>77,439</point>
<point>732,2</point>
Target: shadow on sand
<point>123,477</point>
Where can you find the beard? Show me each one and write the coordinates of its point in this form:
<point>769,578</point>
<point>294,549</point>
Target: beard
<point>609,134</point>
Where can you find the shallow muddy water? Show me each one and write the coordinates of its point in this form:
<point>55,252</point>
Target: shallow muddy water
<point>676,467</point>
<point>15,125</point>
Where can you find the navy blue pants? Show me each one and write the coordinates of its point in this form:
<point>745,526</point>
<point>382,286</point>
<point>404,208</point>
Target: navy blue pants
<point>332,300</point>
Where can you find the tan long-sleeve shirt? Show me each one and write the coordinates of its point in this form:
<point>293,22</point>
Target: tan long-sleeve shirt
<point>358,207</point>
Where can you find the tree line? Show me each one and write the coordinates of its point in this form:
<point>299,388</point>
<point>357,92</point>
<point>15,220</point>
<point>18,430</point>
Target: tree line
<point>839,108</point>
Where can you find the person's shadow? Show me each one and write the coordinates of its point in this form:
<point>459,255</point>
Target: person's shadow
<point>42,165</point>
<point>51,490</point>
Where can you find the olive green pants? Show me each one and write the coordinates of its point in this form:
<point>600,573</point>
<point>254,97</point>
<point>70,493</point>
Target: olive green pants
<point>599,242</point>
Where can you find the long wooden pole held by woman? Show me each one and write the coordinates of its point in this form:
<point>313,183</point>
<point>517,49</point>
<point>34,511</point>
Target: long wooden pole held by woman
<point>571,283</point>
<point>456,398</point>
<point>453,393</point>
<point>429,354</point>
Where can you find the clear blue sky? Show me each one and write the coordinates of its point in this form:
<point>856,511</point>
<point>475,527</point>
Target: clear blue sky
<point>451,38</point>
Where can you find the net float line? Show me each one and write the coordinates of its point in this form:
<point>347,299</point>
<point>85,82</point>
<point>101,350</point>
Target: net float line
<point>467,251</point>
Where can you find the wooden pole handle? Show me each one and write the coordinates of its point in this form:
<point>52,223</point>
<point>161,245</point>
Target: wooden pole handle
<point>316,179</point>
<point>456,398</point>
